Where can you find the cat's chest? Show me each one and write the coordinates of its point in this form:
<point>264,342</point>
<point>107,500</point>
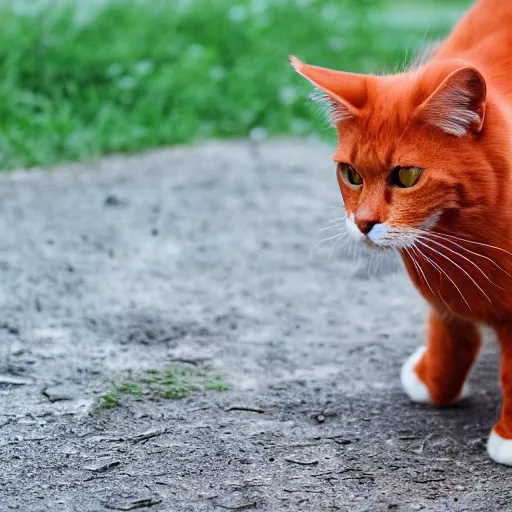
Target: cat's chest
<point>463,287</point>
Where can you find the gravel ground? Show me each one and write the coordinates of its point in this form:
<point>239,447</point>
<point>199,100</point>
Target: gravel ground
<point>202,255</point>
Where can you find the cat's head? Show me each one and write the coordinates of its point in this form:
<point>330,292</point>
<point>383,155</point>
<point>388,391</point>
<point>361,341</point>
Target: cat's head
<point>412,153</point>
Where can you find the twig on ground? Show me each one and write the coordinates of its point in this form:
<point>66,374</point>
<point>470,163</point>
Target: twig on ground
<point>331,473</point>
<point>193,362</point>
<point>248,409</point>
<point>133,505</point>
<point>103,467</point>
<point>428,480</point>
<point>302,462</point>
<point>14,380</point>
<point>364,476</point>
<point>95,477</point>
<point>244,506</point>
<point>149,435</point>
<point>310,491</point>
<point>298,445</point>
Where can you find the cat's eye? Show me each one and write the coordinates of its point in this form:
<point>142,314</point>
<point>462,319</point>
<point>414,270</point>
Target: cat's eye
<point>406,177</point>
<point>350,176</point>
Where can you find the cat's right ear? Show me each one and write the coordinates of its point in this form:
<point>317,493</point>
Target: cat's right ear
<point>457,106</point>
<point>346,92</point>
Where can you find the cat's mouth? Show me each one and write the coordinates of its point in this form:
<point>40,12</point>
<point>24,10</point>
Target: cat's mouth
<point>382,237</point>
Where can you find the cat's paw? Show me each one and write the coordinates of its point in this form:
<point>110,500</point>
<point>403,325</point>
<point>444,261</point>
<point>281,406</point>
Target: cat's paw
<point>499,449</point>
<point>413,386</point>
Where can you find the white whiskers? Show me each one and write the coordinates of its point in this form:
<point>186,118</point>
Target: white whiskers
<point>458,266</point>
<point>418,268</point>
<point>426,250</point>
<point>336,243</point>
<point>320,242</point>
<point>336,226</point>
<point>441,271</point>
<point>462,256</point>
<point>446,243</point>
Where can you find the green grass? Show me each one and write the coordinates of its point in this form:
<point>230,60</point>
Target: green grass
<point>172,382</point>
<point>77,82</point>
<point>109,400</point>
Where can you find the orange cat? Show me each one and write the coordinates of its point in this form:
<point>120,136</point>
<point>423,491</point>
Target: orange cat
<point>424,164</point>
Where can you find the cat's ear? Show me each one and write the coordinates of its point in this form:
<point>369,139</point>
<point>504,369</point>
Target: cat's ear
<point>457,106</point>
<point>345,92</point>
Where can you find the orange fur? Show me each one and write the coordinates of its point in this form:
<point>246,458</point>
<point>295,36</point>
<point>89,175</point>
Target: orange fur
<point>452,118</point>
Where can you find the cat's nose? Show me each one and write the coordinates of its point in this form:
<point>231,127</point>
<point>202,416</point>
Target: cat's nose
<point>365,226</point>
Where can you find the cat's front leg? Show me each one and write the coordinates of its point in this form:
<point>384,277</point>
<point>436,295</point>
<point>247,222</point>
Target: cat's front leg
<point>499,445</point>
<point>436,373</point>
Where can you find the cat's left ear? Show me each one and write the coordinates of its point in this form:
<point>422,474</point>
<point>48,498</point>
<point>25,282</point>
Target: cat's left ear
<point>457,106</point>
<point>346,92</point>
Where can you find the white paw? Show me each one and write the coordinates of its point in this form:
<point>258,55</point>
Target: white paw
<point>415,389</point>
<point>499,449</point>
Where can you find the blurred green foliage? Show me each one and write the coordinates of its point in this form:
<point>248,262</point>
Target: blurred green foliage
<point>84,79</point>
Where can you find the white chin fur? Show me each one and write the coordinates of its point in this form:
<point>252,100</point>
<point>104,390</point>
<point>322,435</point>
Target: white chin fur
<point>499,449</point>
<point>415,389</point>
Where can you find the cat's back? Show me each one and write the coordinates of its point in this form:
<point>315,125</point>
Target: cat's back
<point>483,37</point>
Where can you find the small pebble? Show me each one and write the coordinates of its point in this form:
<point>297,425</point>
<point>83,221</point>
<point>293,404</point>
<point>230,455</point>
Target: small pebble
<point>113,200</point>
<point>57,394</point>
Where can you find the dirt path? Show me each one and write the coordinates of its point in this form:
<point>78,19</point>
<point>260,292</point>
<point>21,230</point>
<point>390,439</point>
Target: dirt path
<point>200,256</point>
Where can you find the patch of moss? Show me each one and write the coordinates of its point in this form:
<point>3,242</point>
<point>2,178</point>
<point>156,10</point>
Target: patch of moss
<point>172,382</point>
<point>109,400</point>
<point>216,384</point>
<point>131,389</point>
